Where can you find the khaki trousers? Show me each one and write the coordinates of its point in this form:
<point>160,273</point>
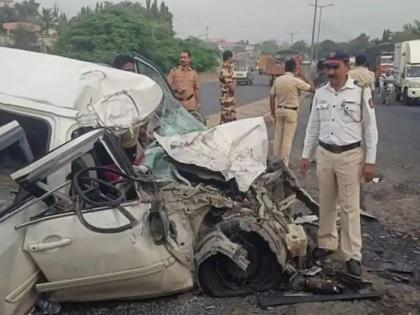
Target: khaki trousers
<point>339,177</point>
<point>284,133</point>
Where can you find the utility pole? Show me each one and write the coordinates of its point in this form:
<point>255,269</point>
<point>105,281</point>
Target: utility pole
<point>321,7</point>
<point>313,37</point>
<point>292,38</point>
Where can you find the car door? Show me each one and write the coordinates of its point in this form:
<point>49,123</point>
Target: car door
<point>18,271</point>
<point>82,255</point>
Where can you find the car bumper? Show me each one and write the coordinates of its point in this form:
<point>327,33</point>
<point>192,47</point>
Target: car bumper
<point>413,93</point>
<point>241,79</point>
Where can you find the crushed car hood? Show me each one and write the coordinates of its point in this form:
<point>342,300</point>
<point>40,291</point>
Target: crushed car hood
<point>238,149</point>
<point>98,93</point>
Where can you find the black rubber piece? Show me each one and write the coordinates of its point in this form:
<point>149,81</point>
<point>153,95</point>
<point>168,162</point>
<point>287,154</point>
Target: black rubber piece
<point>278,300</point>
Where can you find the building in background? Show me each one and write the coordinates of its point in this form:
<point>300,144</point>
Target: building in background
<point>8,3</point>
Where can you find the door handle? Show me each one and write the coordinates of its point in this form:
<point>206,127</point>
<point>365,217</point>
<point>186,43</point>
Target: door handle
<point>38,247</point>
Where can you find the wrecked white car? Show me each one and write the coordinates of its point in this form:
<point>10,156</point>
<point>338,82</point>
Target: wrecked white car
<point>80,222</point>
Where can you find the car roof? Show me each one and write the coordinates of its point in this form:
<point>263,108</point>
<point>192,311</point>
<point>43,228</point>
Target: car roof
<point>62,84</point>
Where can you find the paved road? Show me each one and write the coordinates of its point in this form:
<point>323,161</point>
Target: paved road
<point>244,94</point>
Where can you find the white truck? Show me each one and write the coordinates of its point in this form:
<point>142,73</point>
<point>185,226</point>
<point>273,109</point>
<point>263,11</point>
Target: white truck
<point>407,71</point>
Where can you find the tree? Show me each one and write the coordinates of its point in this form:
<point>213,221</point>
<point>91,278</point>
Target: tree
<point>155,9</point>
<point>62,22</point>
<point>327,46</point>
<point>359,44</point>
<point>7,14</point>
<point>27,11</point>
<point>300,46</point>
<point>268,47</point>
<point>386,35</point>
<point>125,27</point>
<point>48,19</point>
<point>410,31</point>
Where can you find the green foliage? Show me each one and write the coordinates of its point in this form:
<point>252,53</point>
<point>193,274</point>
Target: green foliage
<point>359,44</point>
<point>301,47</point>
<point>98,35</point>
<point>268,47</point>
<point>30,11</point>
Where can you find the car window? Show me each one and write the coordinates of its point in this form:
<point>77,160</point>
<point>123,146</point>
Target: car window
<point>12,159</point>
<point>37,131</point>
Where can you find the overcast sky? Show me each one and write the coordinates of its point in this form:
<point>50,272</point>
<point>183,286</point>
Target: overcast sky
<point>258,20</point>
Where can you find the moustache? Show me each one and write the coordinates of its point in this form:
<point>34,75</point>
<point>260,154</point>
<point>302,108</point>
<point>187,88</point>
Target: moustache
<point>332,76</point>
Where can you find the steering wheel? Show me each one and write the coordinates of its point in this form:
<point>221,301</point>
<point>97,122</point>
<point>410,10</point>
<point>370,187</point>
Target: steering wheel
<point>92,184</point>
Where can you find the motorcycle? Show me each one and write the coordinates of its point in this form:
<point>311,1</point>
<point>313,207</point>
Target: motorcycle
<point>388,93</point>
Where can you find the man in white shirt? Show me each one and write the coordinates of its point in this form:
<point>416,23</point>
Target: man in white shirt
<point>342,117</point>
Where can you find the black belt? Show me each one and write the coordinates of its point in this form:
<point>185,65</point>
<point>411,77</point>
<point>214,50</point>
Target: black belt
<point>339,148</point>
<point>287,107</point>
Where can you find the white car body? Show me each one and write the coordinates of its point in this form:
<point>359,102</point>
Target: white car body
<point>66,237</point>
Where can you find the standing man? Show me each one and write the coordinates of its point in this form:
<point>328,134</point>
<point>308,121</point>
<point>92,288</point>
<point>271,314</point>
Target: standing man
<point>342,116</point>
<point>321,77</point>
<point>362,74</point>
<point>185,84</point>
<point>284,106</point>
<point>227,89</point>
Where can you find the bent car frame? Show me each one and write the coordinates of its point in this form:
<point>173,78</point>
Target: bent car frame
<point>80,222</point>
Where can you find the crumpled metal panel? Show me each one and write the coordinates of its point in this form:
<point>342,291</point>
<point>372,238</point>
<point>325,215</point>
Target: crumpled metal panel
<point>217,242</point>
<point>100,94</point>
<point>237,150</point>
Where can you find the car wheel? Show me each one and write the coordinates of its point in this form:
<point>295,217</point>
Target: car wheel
<point>220,277</point>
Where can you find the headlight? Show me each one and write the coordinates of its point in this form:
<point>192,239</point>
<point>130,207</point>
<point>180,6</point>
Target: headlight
<point>414,84</point>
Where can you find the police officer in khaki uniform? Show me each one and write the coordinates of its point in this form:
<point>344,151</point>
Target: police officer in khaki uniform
<point>227,89</point>
<point>185,83</point>
<point>342,117</point>
<point>362,74</point>
<point>284,105</point>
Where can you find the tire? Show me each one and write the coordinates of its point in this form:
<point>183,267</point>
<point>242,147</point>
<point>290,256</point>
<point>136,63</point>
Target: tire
<point>218,276</point>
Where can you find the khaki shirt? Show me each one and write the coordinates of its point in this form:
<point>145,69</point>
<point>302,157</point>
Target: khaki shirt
<point>364,77</point>
<point>286,89</point>
<point>184,82</point>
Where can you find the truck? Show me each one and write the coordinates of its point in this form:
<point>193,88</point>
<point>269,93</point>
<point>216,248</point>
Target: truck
<point>274,65</point>
<point>380,58</point>
<point>407,71</point>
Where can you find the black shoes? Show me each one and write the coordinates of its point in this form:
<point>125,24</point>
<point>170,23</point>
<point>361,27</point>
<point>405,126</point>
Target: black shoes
<point>354,267</point>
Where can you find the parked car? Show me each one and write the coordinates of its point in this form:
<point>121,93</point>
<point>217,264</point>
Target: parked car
<point>243,75</point>
<point>79,222</point>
